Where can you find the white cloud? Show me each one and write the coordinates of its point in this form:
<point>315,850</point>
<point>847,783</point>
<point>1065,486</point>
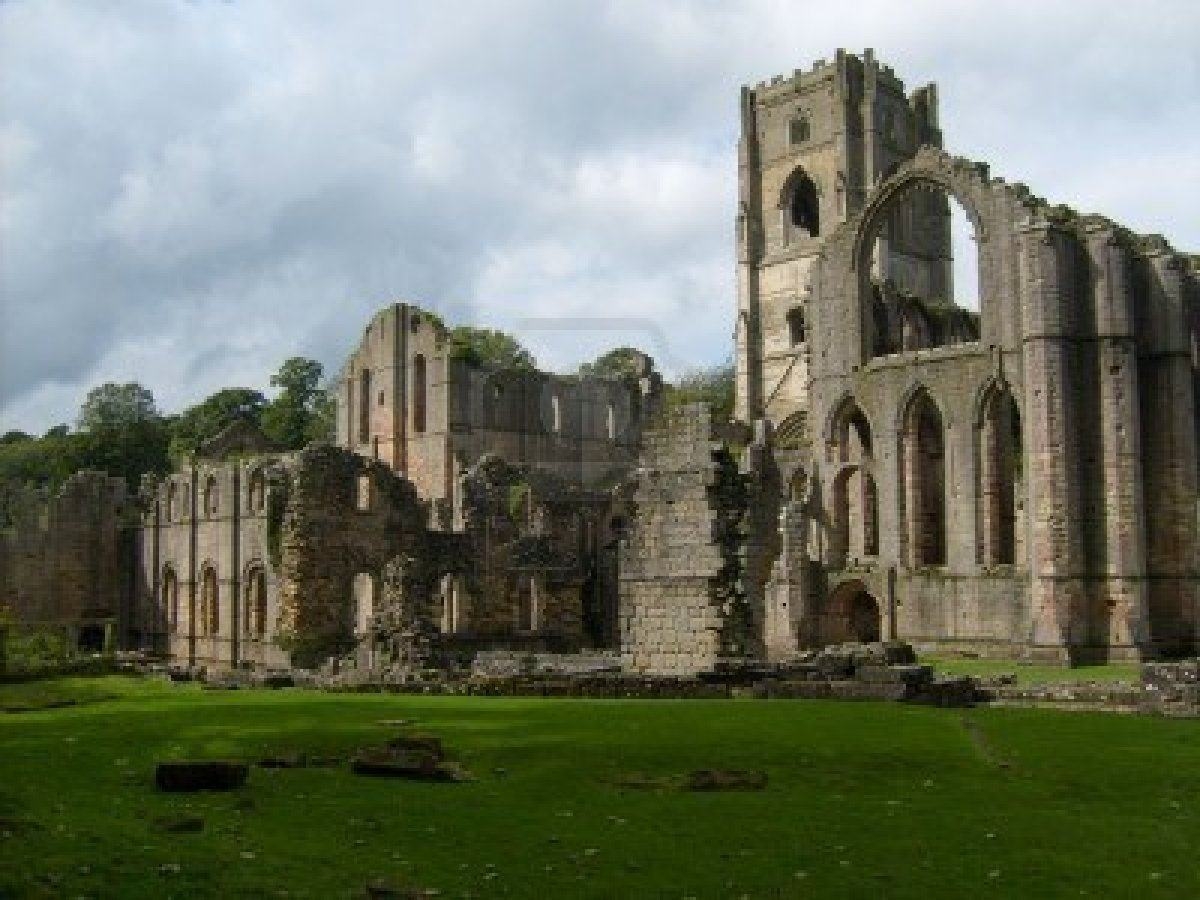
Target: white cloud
<point>190,193</point>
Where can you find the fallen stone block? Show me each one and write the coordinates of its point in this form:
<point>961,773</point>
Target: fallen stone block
<point>383,765</point>
<point>200,775</point>
<point>179,824</point>
<point>726,780</point>
<point>949,692</point>
<point>899,674</point>
<point>291,761</point>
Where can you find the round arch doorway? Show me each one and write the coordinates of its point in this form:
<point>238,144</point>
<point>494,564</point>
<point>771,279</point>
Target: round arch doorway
<point>852,615</point>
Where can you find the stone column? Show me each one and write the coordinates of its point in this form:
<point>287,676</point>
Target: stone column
<point>1055,546</point>
<point>1122,588</point>
<point>1168,407</point>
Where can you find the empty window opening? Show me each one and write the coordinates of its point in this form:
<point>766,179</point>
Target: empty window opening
<point>256,494</point>
<point>804,206</point>
<point>527,603</point>
<point>363,603</point>
<point>419,393</point>
<point>798,486</point>
<point>795,322</point>
<point>363,499</point>
<point>923,467</point>
<point>964,255</point>
<point>212,497</point>
<point>555,415</point>
<point>364,406</point>
<point>1000,477</point>
<point>255,615</point>
<point>170,598</point>
<point>610,422</point>
<point>855,517</point>
<point>798,130</point>
<point>210,607</point>
<point>851,435</point>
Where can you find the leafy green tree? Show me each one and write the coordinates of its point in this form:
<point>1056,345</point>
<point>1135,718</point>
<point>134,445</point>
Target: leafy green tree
<point>622,362</point>
<point>713,385</point>
<point>300,413</point>
<point>116,406</point>
<point>14,437</point>
<point>121,432</point>
<point>206,419</point>
<point>323,425</point>
<point>489,348</point>
<point>45,461</point>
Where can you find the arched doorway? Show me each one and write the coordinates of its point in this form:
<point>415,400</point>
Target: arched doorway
<point>851,615</point>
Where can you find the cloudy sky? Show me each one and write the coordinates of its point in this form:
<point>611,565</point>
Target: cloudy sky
<point>191,192</point>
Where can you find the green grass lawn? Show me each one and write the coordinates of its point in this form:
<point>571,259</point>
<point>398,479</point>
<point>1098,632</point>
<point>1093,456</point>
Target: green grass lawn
<point>864,800</point>
<point>1035,674</point>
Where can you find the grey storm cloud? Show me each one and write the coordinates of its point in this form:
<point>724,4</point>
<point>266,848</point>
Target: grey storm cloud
<point>191,192</point>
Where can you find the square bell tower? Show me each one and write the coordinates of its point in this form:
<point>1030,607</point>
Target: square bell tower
<point>813,146</point>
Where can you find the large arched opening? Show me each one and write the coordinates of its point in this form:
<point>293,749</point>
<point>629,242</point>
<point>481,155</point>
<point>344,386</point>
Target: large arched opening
<point>919,262</point>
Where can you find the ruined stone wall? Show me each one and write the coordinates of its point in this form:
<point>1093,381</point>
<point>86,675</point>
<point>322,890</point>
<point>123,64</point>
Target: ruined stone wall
<point>700,544</point>
<point>66,559</point>
<point>1083,335</point>
<point>345,518</point>
<point>534,540</point>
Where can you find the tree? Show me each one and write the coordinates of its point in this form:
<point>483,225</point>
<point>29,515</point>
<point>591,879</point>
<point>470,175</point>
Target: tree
<point>300,413</point>
<point>623,362</point>
<point>210,417</point>
<point>713,385</point>
<point>122,432</point>
<point>116,406</point>
<point>14,437</point>
<point>491,349</point>
<point>45,461</point>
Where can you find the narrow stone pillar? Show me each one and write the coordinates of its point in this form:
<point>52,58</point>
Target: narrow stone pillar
<point>1055,553</point>
<point>1120,594</point>
<point>1168,409</point>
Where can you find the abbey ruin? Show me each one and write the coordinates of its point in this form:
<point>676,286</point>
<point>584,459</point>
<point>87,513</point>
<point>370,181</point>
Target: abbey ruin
<point>1018,480</point>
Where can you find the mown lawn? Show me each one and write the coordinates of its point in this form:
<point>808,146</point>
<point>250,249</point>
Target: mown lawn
<point>864,800</point>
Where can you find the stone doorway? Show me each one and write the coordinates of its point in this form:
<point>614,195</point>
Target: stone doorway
<point>852,614</point>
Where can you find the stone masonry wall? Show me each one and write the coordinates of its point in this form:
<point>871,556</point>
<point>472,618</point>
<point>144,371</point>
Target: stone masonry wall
<point>65,560</point>
<point>693,564</point>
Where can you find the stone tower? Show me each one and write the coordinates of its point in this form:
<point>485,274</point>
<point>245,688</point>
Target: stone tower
<point>813,145</point>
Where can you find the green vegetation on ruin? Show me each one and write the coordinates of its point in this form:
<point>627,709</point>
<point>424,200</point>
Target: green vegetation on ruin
<point>577,798</point>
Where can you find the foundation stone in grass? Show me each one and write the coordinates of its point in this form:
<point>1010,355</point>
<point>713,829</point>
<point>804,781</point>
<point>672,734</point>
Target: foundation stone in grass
<point>185,776</point>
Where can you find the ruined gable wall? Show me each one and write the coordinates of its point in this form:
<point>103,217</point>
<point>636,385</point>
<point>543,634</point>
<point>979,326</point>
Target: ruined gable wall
<point>697,554</point>
<point>65,559</point>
